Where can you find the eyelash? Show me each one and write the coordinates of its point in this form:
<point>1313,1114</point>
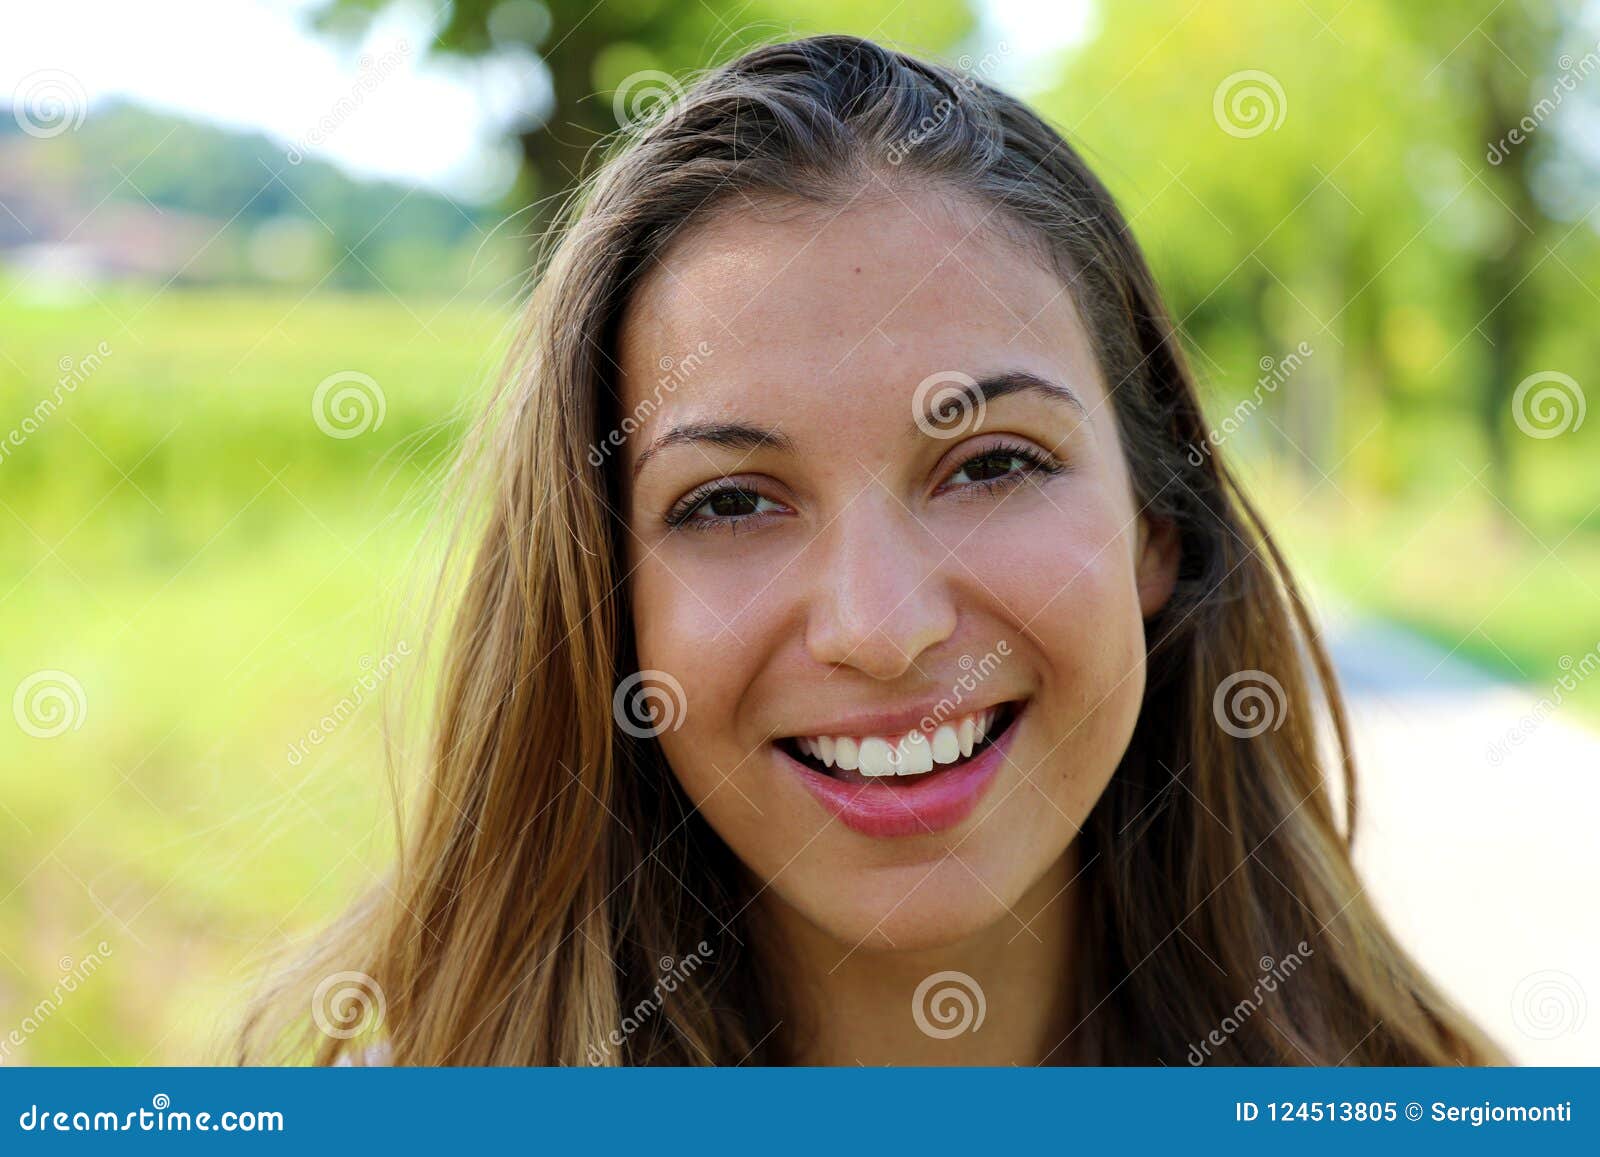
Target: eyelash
<point>1035,462</point>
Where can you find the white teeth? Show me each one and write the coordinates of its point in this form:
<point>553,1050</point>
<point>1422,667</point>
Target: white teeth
<point>916,754</point>
<point>846,753</point>
<point>878,758</point>
<point>913,753</point>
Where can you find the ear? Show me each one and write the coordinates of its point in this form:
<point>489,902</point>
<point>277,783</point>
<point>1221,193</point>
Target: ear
<point>1157,563</point>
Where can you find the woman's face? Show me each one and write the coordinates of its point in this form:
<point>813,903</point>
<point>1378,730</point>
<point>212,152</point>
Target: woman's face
<point>848,581</point>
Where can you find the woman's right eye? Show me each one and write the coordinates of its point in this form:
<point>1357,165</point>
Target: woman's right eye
<point>720,506</point>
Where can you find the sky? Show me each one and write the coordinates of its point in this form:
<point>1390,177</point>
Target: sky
<point>256,64</point>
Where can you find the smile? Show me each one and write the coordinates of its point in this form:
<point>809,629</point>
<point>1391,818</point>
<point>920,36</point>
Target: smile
<point>915,782</point>
<point>915,752</point>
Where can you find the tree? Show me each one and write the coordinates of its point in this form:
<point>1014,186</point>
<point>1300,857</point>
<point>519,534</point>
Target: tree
<point>590,51</point>
<point>1319,172</point>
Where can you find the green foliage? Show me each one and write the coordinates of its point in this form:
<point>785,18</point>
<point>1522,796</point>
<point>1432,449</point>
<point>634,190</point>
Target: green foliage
<point>1363,217</point>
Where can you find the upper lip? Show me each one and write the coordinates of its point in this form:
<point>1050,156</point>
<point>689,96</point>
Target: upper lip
<point>896,722</point>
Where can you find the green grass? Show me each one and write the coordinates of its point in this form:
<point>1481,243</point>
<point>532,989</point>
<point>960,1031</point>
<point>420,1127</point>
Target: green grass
<point>213,569</point>
<point>216,573</point>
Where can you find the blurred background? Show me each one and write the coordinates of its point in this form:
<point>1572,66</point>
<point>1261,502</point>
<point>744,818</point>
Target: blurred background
<point>257,260</point>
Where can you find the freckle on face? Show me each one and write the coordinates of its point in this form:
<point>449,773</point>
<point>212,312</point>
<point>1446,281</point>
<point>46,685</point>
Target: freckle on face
<point>868,574</point>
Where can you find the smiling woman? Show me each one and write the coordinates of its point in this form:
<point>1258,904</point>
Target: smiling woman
<point>894,662</point>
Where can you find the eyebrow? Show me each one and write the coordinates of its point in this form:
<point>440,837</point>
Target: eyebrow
<point>742,436</point>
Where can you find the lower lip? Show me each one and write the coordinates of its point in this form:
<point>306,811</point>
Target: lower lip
<point>934,803</point>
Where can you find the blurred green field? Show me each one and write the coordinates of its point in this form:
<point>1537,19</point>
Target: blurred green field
<point>217,573</point>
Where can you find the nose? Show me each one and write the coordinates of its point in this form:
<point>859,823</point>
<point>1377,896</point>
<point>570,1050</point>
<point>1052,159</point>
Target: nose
<point>881,595</point>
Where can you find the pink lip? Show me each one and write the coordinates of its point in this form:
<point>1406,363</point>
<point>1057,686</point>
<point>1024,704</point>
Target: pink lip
<point>933,803</point>
<point>889,724</point>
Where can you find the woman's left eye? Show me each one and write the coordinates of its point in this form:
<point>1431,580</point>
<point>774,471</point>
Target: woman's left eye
<point>1000,465</point>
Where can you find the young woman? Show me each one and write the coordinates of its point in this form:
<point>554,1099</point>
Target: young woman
<point>865,656</point>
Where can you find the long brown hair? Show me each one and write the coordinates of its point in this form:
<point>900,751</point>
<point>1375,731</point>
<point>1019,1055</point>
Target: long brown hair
<point>548,870</point>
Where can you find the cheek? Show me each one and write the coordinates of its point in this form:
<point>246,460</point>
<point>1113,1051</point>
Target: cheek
<point>688,628</point>
<point>1064,571</point>
<point>1066,578</point>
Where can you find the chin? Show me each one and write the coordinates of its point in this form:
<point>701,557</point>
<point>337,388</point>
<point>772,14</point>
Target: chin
<point>913,908</point>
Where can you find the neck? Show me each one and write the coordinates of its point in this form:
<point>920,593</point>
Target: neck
<point>856,1005</point>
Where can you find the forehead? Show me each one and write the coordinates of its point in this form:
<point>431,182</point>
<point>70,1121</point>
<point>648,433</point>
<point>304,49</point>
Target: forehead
<point>802,311</point>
